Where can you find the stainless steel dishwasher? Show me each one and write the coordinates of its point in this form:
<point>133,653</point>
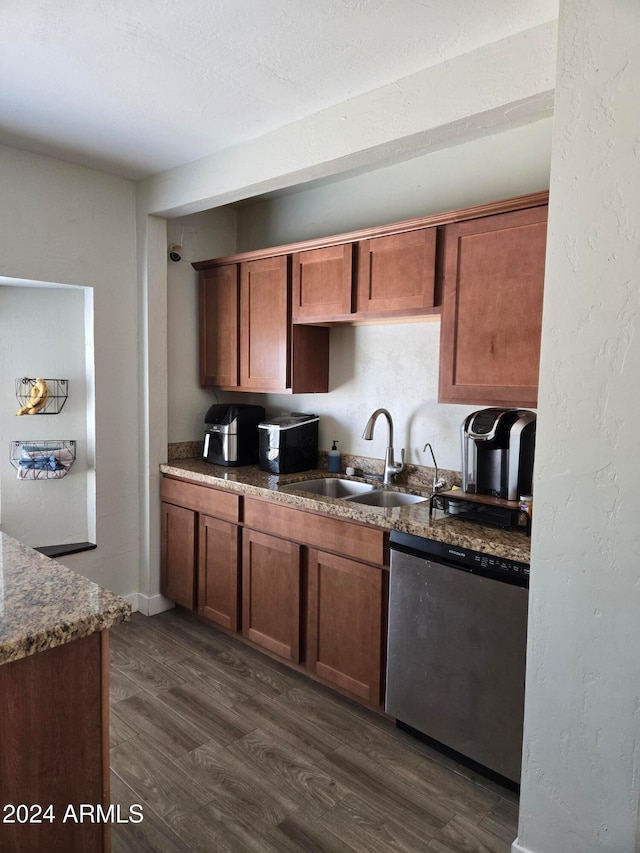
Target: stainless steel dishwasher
<point>456,649</point>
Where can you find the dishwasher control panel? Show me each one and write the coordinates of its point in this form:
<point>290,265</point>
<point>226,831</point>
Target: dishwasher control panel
<point>489,565</point>
<point>499,564</point>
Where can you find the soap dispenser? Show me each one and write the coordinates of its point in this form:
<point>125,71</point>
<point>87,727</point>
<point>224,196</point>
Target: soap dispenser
<point>334,459</point>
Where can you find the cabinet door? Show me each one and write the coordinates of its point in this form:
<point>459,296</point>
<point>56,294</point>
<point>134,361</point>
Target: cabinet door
<point>322,284</point>
<point>344,633</point>
<point>218,572</point>
<point>178,554</point>
<point>492,309</point>
<point>219,301</point>
<point>271,593</point>
<point>264,324</point>
<point>396,273</point>
<point>55,747</point>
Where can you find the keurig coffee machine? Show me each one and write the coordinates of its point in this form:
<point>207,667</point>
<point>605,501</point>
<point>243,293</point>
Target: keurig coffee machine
<point>497,452</point>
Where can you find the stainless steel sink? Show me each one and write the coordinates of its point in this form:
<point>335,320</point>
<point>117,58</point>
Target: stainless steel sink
<point>330,487</point>
<point>383,498</point>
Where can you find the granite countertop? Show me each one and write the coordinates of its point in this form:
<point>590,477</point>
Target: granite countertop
<point>249,480</point>
<point>44,604</point>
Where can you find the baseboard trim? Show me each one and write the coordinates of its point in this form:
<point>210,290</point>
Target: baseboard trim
<point>151,605</point>
<point>516,847</point>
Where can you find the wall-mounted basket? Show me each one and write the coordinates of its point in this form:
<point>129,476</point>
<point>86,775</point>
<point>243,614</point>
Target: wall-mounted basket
<point>42,460</point>
<point>27,394</point>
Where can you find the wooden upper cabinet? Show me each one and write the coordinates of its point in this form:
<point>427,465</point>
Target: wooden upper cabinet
<point>492,308</point>
<point>246,338</point>
<point>264,324</point>
<point>322,284</point>
<point>264,314</point>
<point>219,307</point>
<point>396,273</point>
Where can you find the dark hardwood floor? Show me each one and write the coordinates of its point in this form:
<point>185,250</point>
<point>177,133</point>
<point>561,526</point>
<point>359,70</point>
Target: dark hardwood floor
<point>228,751</point>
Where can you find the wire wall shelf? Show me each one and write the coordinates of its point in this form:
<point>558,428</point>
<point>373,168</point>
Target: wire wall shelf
<point>41,396</point>
<point>42,460</point>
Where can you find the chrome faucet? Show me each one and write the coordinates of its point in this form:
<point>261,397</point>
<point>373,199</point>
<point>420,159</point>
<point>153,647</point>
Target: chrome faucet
<point>391,467</point>
<point>438,482</point>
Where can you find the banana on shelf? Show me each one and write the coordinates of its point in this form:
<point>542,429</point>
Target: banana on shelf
<point>37,399</point>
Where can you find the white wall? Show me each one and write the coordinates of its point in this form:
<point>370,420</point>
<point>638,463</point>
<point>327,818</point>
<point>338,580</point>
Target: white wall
<point>508,163</point>
<point>506,84</point>
<point>67,224</point>
<point>581,781</point>
<point>42,334</point>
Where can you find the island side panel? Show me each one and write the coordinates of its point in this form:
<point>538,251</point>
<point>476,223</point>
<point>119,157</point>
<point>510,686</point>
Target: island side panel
<point>54,746</point>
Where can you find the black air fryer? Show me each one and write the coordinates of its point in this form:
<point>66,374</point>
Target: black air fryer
<point>231,435</point>
<point>289,444</point>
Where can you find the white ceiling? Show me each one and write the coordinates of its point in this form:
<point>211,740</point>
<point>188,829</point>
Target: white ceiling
<point>135,87</point>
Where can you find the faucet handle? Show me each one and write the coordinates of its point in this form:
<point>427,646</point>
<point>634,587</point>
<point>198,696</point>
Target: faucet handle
<point>396,467</point>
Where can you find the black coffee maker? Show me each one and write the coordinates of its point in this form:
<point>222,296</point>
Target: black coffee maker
<point>497,452</point>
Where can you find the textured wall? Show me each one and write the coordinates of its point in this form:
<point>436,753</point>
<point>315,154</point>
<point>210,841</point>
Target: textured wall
<point>580,787</point>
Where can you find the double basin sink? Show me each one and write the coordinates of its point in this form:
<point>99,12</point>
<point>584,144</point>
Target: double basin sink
<point>354,492</point>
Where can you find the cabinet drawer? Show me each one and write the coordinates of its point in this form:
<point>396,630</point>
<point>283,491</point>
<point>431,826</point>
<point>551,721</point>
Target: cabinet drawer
<point>347,538</point>
<point>216,502</point>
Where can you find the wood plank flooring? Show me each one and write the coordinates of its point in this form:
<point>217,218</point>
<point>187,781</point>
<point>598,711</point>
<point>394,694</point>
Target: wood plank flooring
<point>228,751</point>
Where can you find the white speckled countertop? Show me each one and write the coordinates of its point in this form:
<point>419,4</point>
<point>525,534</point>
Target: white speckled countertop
<point>44,604</point>
<point>249,480</point>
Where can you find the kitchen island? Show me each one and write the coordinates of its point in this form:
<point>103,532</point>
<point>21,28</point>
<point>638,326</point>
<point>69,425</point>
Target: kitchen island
<point>54,755</point>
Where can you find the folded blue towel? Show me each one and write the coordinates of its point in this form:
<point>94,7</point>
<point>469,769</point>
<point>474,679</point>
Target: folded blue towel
<point>49,463</point>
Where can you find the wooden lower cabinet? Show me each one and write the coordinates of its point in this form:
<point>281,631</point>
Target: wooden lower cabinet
<point>178,554</point>
<point>271,580</point>
<point>218,572</point>
<point>54,756</point>
<point>199,555</point>
<point>271,575</point>
<point>344,623</point>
